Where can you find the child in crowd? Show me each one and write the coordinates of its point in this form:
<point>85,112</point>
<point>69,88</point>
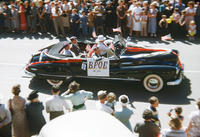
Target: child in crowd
<point>178,113</point>
<point>84,21</point>
<point>111,100</point>
<point>176,15</point>
<point>143,20</point>
<point>154,102</point>
<point>163,24</point>
<point>130,22</point>
<point>192,30</point>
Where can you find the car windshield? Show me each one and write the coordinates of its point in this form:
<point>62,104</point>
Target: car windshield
<point>55,50</point>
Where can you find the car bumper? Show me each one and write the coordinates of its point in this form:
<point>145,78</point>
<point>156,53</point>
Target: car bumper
<point>29,74</point>
<point>176,82</point>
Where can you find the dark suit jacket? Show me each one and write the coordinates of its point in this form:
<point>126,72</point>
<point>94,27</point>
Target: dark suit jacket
<point>75,49</point>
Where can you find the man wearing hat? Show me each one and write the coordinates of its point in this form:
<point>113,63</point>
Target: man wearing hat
<point>74,47</point>
<point>147,128</point>
<point>55,104</point>
<point>104,49</point>
<point>66,49</point>
<point>100,104</point>
<point>5,120</point>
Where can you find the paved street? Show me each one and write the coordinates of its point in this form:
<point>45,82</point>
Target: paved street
<point>15,53</point>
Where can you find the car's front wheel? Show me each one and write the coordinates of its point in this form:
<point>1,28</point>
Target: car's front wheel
<point>153,83</point>
<point>53,82</point>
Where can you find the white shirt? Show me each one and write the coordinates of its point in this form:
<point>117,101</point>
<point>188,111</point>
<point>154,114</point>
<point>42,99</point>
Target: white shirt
<point>53,11</point>
<point>78,97</point>
<point>131,8</point>
<point>56,103</point>
<point>189,10</point>
<point>65,7</point>
<point>103,107</point>
<point>136,12</point>
<point>103,48</point>
<point>47,8</point>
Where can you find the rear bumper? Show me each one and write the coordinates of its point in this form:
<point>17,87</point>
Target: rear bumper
<point>176,82</point>
<point>29,74</point>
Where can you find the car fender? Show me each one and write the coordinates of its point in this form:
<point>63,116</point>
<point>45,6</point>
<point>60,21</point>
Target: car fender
<point>165,71</point>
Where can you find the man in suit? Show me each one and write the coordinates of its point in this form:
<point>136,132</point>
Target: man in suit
<point>75,48</point>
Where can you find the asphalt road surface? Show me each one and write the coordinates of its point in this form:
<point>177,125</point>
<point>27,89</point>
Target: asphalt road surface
<point>15,51</point>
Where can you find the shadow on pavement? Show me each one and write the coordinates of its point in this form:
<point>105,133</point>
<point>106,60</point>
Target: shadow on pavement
<point>169,95</point>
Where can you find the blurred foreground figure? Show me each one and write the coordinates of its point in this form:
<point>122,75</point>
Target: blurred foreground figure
<point>5,120</point>
<point>85,123</point>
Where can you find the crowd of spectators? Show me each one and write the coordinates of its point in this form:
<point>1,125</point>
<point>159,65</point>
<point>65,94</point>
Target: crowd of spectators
<point>88,18</point>
<point>23,119</point>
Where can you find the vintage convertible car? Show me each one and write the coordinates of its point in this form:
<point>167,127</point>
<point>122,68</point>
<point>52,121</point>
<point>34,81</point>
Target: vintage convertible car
<point>154,67</point>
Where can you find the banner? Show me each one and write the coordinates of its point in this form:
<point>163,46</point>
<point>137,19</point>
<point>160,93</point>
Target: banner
<point>98,67</point>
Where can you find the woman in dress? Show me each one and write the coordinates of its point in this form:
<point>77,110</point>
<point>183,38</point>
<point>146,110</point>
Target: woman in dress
<point>77,96</point>
<point>152,24</point>
<point>34,114</point>
<point>17,108</point>
<point>23,24</point>
<point>136,19</point>
<point>190,13</point>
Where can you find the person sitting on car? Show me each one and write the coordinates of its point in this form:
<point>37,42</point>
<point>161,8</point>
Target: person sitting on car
<point>96,53</point>
<point>74,47</point>
<point>66,50</point>
<point>104,49</point>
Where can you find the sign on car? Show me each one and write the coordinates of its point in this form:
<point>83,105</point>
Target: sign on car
<point>98,67</point>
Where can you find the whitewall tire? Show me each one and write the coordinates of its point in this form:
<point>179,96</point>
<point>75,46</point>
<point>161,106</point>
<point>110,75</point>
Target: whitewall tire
<point>153,83</point>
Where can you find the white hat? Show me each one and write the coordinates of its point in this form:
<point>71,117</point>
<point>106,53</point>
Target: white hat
<point>102,92</point>
<point>101,38</point>
<point>120,100</point>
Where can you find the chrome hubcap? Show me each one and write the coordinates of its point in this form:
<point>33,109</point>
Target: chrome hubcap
<point>153,83</point>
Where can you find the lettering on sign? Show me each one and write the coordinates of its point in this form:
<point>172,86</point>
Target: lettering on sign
<point>98,68</point>
<point>98,65</point>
